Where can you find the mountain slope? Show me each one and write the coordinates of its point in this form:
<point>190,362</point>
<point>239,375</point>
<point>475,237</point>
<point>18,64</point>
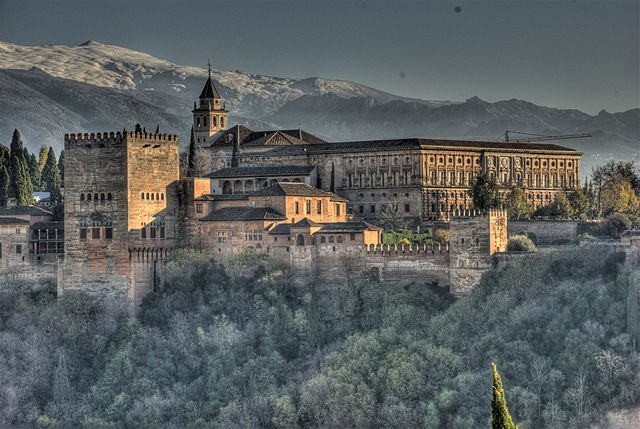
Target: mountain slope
<point>52,89</point>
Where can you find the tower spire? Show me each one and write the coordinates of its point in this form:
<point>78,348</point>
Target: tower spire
<point>209,64</point>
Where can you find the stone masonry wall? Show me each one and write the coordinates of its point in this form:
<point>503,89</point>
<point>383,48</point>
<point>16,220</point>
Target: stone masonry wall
<point>547,232</point>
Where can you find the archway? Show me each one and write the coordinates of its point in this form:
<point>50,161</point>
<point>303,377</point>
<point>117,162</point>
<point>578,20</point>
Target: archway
<point>237,187</point>
<point>299,240</point>
<point>227,188</point>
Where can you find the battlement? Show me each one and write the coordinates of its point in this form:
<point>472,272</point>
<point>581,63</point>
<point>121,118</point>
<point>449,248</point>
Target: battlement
<point>471,213</point>
<point>407,249</point>
<point>117,137</point>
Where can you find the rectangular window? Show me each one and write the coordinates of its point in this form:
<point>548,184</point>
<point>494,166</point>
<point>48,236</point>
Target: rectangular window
<point>95,233</point>
<point>296,208</point>
<point>198,208</point>
<point>152,232</point>
<point>407,208</point>
<point>308,206</point>
<point>108,233</point>
<point>83,233</point>
<point>222,236</point>
<point>337,209</point>
<point>162,232</point>
<point>373,208</point>
<point>361,209</point>
<point>18,231</point>
<point>352,236</point>
<point>18,249</point>
<point>143,232</point>
<point>319,208</point>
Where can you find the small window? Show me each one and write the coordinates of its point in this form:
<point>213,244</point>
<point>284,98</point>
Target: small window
<point>18,249</point>
<point>152,232</point>
<point>143,232</point>
<point>361,209</point>
<point>162,196</point>
<point>337,209</point>
<point>81,197</point>
<point>198,208</point>
<point>152,197</point>
<point>162,233</point>
<point>323,239</point>
<point>142,195</point>
<point>308,206</point>
<point>296,208</point>
<point>95,233</point>
<point>108,233</point>
<point>319,208</point>
<point>147,198</point>
<point>352,236</point>
<point>109,197</point>
<point>373,208</point>
<point>407,208</point>
<point>95,197</point>
<point>83,233</point>
<point>88,197</point>
<point>102,197</point>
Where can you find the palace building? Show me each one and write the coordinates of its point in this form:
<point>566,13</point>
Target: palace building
<point>414,180</point>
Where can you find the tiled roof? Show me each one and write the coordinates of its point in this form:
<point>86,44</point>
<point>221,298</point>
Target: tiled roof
<point>221,197</point>
<point>24,210</point>
<point>13,221</point>
<point>243,213</point>
<point>306,222</point>
<point>412,143</point>
<point>209,90</point>
<point>248,137</point>
<point>292,188</point>
<point>48,225</point>
<point>280,170</point>
<point>347,227</point>
<point>281,228</point>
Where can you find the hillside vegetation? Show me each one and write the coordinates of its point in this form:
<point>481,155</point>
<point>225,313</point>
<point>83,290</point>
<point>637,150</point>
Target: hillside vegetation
<point>254,351</point>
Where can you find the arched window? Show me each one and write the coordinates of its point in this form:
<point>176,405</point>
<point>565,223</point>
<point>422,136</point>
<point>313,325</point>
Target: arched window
<point>204,121</point>
<point>331,239</point>
<point>340,239</point>
<point>148,198</point>
<point>227,188</point>
<point>152,196</point>
<point>88,197</point>
<point>81,197</point>
<point>157,196</point>
<point>323,239</point>
<point>142,195</point>
<point>215,122</point>
<point>95,196</point>
<point>162,196</point>
<point>221,121</point>
<point>197,121</point>
<point>300,240</point>
<point>109,197</point>
<point>102,197</point>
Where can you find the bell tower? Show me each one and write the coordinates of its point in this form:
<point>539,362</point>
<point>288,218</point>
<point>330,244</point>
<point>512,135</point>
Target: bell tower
<point>210,116</point>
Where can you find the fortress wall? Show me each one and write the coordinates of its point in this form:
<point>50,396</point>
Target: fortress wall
<point>547,231</point>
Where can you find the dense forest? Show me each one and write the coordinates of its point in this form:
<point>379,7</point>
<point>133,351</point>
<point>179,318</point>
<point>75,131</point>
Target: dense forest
<point>248,349</point>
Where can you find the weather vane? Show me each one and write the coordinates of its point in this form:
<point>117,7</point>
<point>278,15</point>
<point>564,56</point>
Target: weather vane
<point>209,63</point>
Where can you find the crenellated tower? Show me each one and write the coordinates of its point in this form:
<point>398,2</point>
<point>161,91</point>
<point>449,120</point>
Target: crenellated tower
<point>210,116</point>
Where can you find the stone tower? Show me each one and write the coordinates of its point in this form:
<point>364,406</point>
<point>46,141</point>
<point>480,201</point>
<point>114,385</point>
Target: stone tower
<point>120,212</point>
<point>475,237</point>
<point>210,116</point>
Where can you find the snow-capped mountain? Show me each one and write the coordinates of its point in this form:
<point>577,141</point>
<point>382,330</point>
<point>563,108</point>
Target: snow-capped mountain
<point>49,90</point>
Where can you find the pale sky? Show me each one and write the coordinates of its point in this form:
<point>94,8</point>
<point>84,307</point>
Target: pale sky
<point>580,54</point>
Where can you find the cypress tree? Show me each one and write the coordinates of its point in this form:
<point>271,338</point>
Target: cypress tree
<point>4,184</point>
<point>42,157</point>
<point>61,166</point>
<point>21,188</point>
<point>192,154</point>
<point>485,192</point>
<point>138,128</point>
<point>633,312</point>
<point>51,176</point>
<point>158,129</point>
<point>62,391</point>
<point>34,172</point>
<point>16,144</point>
<point>500,417</point>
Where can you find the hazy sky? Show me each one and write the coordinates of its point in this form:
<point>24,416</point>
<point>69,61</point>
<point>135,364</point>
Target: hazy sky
<point>571,54</point>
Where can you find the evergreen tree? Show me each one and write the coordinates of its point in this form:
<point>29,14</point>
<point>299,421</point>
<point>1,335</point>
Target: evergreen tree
<point>633,312</point>
<point>158,129</point>
<point>42,157</point>
<point>517,205</point>
<point>20,187</point>
<point>51,176</point>
<point>34,172</point>
<point>4,184</point>
<point>62,390</point>
<point>61,166</point>
<point>192,154</point>
<point>138,128</point>
<point>500,417</point>
<point>485,192</point>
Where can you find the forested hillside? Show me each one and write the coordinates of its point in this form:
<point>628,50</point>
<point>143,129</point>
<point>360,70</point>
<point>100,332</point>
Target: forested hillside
<point>251,350</point>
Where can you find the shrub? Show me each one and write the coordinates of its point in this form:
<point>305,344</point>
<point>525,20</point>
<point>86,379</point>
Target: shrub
<point>520,243</point>
<point>614,225</point>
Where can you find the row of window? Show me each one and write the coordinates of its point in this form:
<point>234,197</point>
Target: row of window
<point>10,230</point>
<point>154,231</point>
<point>372,208</point>
<point>96,197</point>
<point>204,121</point>
<point>384,179</point>
<point>374,161</point>
<point>96,233</point>
<point>151,196</point>
<point>308,207</point>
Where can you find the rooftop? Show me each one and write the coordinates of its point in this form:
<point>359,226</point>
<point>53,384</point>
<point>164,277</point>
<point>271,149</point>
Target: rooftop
<point>209,90</point>
<point>280,170</point>
<point>243,213</point>
<point>415,144</point>
<point>13,221</point>
<point>295,189</point>
<point>24,210</point>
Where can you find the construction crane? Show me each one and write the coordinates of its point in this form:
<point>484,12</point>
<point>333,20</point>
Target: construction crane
<point>539,137</point>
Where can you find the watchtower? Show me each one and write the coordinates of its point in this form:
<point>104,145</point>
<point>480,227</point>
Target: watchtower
<point>120,211</point>
<point>211,115</point>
